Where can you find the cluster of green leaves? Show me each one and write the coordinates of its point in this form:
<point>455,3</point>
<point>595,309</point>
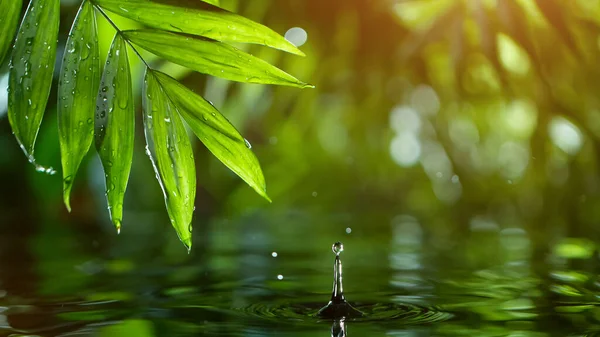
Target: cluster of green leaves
<point>97,105</point>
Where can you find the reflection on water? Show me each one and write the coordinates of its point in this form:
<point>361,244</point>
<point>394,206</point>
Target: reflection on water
<point>487,286</point>
<point>338,329</point>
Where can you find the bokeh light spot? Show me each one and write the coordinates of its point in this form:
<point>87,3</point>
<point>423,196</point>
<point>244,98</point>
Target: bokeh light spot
<point>297,36</point>
<point>425,100</point>
<point>565,135</point>
<point>520,118</point>
<point>513,159</point>
<point>512,56</point>
<point>405,149</point>
<point>405,119</point>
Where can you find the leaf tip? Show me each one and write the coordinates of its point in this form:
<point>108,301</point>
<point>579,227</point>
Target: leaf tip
<point>263,193</point>
<point>67,202</point>
<point>299,52</point>
<point>187,242</point>
<point>117,223</point>
<point>67,185</point>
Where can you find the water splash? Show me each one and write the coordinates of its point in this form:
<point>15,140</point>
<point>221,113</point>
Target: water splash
<point>338,307</point>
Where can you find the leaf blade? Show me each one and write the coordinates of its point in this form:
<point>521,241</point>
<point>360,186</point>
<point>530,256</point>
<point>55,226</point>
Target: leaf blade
<point>213,2</point>
<point>216,132</point>
<point>211,57</point>
<point>8,24</point>
<point>77,91</point>
<point>170,151</point>
<point>114,127</point>
<point>31,70</point>
<point>203,19</point>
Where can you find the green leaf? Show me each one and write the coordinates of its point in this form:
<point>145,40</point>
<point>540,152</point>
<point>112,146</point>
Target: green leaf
<point>216,132</point>
<point>31,69</point>
<point>204,20</point>
<point>170,151</point>
<point>213,2</point>
<point>11,11</point>
<point>77,91</point>
<point>115,126</point>
<point>211,57</point>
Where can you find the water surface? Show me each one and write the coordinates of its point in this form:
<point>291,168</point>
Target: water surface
<point>268,274</point>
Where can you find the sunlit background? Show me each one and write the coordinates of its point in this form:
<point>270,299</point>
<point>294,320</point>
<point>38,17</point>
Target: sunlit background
<point>452,145</point>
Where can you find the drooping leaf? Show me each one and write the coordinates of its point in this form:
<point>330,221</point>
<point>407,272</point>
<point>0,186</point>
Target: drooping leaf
<point>170,151</point>
<point>216,132</point>
<point>115,126</point>
<point>211,57</point>
<point>77,91</point>
<point>31,69</point>
<point>10,9</point>
<point>203,19</point>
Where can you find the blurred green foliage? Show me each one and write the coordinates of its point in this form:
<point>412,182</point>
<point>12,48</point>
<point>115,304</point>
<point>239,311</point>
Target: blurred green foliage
<point>451,145</point>
<point>457,114</point>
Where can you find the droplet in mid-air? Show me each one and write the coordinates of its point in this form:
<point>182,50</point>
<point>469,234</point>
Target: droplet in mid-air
<point>337,248</point>
<point>338,307</point>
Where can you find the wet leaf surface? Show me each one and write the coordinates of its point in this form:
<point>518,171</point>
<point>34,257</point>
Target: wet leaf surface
<point>11,10</point>
<point>77,90</point>
<point>211,57</point>
<point>31,69</point>
<point>216,132</point>
<point>115,126</point>
<point>199,18</point>
<point>170,151</point>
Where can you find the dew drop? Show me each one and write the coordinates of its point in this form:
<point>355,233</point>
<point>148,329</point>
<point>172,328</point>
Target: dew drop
<point>248,145</point>
<point>118,226</point>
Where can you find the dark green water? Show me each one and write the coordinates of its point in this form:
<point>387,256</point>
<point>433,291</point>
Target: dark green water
<point>61,280</point>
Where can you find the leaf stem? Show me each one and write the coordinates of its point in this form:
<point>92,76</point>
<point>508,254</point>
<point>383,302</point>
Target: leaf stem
<point>99,9</point>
